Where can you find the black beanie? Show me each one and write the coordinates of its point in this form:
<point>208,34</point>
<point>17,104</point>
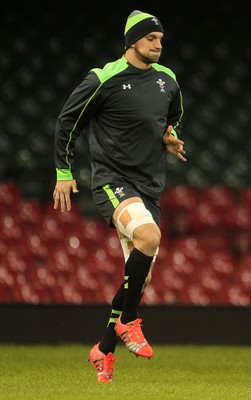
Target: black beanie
<point>138,25</point>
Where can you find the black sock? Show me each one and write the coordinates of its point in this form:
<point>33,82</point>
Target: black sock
<point>136,271</point>
<point>110,339</point>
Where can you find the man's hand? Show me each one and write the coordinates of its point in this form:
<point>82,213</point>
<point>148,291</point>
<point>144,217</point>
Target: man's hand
<point>174,145</point>
<point>61,194</point>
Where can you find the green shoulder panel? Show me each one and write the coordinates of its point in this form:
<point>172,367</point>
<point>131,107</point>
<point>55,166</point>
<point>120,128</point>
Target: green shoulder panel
<point>111,69</point>
<point>168,71</point>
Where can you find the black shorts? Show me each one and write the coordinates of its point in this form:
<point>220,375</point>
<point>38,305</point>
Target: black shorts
<point>109,196</point>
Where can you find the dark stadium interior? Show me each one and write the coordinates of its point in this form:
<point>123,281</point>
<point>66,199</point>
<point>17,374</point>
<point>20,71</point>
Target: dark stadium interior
<point>47,257</point>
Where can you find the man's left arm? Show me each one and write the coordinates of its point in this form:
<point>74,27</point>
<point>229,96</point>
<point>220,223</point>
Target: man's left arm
<point>175,113</point>
<point>171,139</point>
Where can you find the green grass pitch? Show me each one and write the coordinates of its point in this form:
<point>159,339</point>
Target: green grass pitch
<point>62,372</point>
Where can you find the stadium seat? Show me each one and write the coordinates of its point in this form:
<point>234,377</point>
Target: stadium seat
<point>207,217</point>
<point>235,295</point>
<point>194,295</point>
<point>241,243</point>
<point>193,248</point>
<point>167,279</point>
<point>245,261</point>
<point>15,261</point>
<point>215,240</point>
<point>67,219</point>
<point>179,222</point>
<point>245,197</point>
<point>4,295</point>
<point>180,264</point>
<point>242,277</point>
<point>210,283</point>
<point>151,296</point>
<point>75,248</point>
<point>221,197</point>
<point>239,218</point>
<point>10,230</point>
<point>30,213</point>
<point>9,195</point>
<point>222,263</point>
<point>179,198</point>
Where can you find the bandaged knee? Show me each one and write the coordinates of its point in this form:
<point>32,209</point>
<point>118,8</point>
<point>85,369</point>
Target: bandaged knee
<point>132,216</point>
<point>125,247</point>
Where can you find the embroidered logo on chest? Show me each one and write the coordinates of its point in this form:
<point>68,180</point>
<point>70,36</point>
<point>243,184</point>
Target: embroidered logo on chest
<point>127,86</point>
<point>161,85</point>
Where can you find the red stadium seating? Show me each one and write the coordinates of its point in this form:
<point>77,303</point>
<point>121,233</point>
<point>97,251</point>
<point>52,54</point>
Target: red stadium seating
<point>47,256</point>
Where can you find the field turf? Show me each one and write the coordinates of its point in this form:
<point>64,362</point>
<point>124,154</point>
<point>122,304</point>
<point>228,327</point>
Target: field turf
<point>175,373</point>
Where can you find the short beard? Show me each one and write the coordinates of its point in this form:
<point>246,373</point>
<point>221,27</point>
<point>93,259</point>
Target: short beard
<point>144,59</point>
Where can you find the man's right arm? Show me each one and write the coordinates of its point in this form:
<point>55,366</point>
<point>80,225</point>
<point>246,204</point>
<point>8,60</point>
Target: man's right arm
<point>75,115</point>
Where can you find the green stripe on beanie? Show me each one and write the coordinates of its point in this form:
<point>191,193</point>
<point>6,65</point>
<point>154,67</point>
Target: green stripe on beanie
<point>134,19</point>
<point>138,25</point>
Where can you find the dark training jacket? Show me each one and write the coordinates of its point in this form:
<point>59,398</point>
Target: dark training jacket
<point>124,111</point>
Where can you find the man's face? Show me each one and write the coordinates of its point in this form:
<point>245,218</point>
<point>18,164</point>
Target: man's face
<point>148,49</point>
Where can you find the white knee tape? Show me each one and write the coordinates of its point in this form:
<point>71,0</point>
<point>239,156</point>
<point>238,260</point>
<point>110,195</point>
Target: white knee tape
<point>155,255</point>
<point>124,244</point>
<point>126,251</point>
<point>132,216</point>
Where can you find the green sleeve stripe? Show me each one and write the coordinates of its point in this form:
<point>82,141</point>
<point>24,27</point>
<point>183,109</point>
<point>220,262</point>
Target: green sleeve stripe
<point>159,67</point>
<point>169,72</point>
<point>75,125</point>
<point>111,195</point>
<point>182,110</point>
<point>174,134</point>
<point>63,174</point>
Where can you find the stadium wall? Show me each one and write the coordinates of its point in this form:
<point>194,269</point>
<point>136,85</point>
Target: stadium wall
<point>54,324</point>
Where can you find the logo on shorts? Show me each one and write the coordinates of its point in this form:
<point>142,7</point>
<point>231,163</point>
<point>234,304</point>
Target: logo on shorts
<point>119,192</point>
